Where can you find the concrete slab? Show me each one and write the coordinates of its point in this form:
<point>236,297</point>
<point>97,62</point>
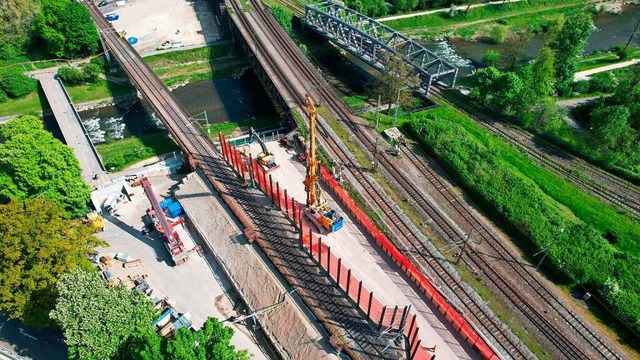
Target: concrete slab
<point>369,265</point>
<point>155,21</point>
<point>198,286</point>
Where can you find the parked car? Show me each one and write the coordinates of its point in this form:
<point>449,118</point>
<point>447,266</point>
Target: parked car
<point>132,40</point>
<point>102,3</point>
<point>113,17</point>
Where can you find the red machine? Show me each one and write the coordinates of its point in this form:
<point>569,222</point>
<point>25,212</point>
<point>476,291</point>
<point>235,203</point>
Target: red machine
<point>172,241</point>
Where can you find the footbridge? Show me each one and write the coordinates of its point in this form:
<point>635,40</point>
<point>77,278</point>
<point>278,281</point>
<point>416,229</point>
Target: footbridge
<point>71,126</point>
<point>370,41</point>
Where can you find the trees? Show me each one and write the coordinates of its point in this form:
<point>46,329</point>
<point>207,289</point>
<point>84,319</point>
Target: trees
<point>491,57</point>
<point>284,17</point>
<point>66,29</point>
<point>15,84</point>
<point>514,49</point>
<point>611,126</point>
<point>88,73</point>
<point>96,319</point>
<point>15,26</point>
<point>211,342</point>
<point>33,163</point>
<point>38,244</point>
<point>397,76</point>
<point>506,92</point>
<point>543,72</point>
<point>371,8</point>
<point>568,43</point>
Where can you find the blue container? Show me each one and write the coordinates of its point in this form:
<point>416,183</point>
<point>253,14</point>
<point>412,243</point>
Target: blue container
<point>166,203</point>
<point>175,210</point>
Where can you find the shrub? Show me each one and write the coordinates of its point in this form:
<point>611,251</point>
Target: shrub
<point>3,97</point>
<point>499,34</point>
<point>491,57</point>
<point>581,87</point>
<point>87,73</point>
<point>602,82</point>
<point>15,84</point>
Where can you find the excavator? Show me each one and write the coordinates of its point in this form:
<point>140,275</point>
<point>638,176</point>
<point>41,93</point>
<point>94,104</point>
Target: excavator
<point>265,158</point>
<point>317,210</point>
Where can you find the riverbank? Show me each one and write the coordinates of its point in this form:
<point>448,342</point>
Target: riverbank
<point>174,68</point>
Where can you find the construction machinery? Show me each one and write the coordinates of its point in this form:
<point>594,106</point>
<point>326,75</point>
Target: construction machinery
<point>317,209</point>
<point>265,158</point>
<point>95,220</point>
<point>179,253</point>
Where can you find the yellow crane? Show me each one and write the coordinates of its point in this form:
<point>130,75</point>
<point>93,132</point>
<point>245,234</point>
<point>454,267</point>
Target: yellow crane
<point>317,209</point>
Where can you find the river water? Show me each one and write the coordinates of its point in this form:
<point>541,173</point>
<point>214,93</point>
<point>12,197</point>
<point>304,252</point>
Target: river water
<point>224,99</point>
<point>610,30</point>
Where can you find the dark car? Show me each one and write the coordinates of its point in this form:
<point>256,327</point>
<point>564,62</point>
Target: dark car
<point>102,3</point>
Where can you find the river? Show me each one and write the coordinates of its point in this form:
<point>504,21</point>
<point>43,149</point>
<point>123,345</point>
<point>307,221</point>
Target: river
<point>224,99</point>
<point>610,30</point>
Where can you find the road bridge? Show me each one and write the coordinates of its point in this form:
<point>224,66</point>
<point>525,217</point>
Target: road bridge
<point>73,131</point>
<point>370,41</point>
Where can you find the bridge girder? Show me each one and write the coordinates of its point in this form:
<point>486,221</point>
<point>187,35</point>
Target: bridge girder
<point>370,40</point>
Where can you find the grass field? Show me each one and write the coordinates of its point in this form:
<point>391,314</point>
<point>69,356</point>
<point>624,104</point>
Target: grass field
<point>228,128</point>
<point>119,154</point>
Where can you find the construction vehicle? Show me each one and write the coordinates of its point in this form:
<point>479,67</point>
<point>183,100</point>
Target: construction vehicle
<point>317,206</point>
<point>95,220</point>
<point>265,158</point>
<point>179,253</point>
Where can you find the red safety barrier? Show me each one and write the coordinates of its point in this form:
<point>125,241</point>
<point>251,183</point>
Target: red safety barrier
<point>388,318</point>
<point>458,322</point>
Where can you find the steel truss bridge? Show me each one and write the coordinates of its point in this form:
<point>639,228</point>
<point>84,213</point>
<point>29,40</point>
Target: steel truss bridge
<point>370,41</point>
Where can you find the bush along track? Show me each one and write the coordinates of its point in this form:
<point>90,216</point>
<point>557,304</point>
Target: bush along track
<point>577,252</point>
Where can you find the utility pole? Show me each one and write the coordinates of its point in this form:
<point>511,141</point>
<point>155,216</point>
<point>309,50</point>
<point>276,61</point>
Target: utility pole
<point>546,249</point>
<point>632,33</point>
<point>466,245</point>
<point>378,113</point>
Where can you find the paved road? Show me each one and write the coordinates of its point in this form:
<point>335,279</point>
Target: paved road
<point>584,75</point>
<point>30,344</point>
<point>70,125</point>
<point>405,16</point>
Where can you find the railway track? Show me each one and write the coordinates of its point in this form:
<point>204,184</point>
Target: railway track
<point>194,142</point>
<point>493,329</point>
<point>564,344</point>
<point>608,187</point>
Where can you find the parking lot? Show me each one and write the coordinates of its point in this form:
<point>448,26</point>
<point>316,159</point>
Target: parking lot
<point>154,22</point>
<point>196,286</point>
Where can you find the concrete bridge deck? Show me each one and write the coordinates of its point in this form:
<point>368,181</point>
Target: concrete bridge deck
<point>71,125</point>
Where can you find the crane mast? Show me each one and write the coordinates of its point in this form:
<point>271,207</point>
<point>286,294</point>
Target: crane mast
<point>310,182</point>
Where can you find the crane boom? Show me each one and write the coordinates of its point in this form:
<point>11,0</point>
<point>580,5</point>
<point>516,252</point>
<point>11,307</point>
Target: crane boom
<point>178,252</point>
<point>262,145</point>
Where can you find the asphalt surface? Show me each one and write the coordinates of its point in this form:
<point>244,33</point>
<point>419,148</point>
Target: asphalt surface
<point>29,343</point>
<point>70,125</point>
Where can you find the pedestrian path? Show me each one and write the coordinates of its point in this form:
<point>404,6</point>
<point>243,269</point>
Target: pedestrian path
<point>73,131</point>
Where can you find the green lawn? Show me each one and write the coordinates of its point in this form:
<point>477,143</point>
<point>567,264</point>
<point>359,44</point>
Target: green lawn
<point>506,11</point>
<point>228,128</point>
<point>603,59</point>
<point>101,89</point>
<point>29,104</point>
<point>121,153</point>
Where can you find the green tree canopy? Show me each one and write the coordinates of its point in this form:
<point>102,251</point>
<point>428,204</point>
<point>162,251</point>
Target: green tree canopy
<point>397,76</point>
<point>33,163</point>
<point>15,26</point>
<point>38,244</point>
<point>611,127</point>
<point>97,319</point>
<point>506,92</point>
<point>66,29</point>
<point>543,72</point>
<point>284,18</point>
<point>15,84</point>
<point>569,42</point>
<point>373,8</point>
<point>211,342</point>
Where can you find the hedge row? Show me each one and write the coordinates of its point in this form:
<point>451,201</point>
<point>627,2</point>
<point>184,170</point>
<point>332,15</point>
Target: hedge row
<point>578,253</point>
